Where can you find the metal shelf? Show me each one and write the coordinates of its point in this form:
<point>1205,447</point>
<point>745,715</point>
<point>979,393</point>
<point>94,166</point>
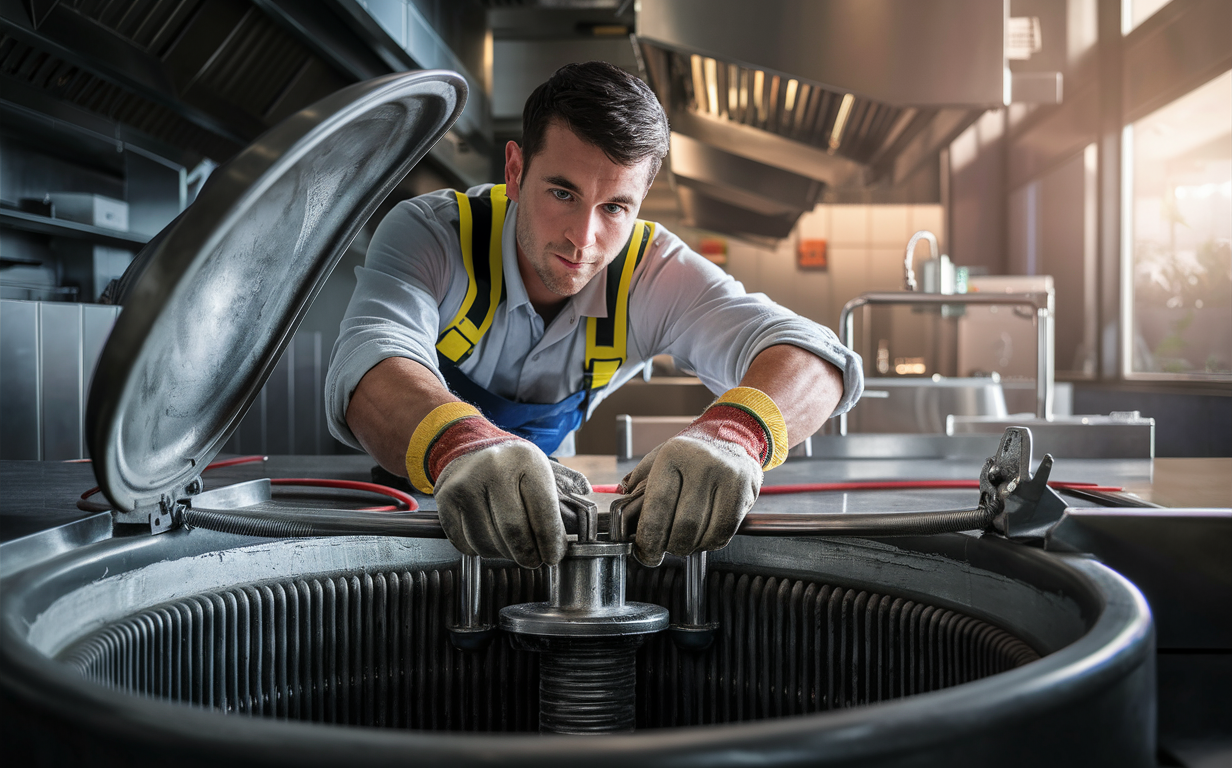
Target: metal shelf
<point>43,225</point>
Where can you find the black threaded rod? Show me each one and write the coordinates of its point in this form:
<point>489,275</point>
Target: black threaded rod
<point>587,685</point>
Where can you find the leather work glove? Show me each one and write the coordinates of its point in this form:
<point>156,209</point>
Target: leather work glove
<point>496,494</point>
<point>700,484</point>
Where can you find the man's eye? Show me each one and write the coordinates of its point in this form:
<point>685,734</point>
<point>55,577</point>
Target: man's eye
<point>613,208</point>
<point>561,194</point>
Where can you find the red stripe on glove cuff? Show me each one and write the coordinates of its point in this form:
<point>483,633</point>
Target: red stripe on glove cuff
<point>464,436</point>
<point>734,425</point>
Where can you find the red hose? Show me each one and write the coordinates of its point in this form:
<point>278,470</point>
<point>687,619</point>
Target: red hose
<point>404,499</point>
<point>354,485</point>
<point>236,460</point>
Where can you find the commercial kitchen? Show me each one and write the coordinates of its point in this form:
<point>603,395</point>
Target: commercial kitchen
<point>1009,544</point>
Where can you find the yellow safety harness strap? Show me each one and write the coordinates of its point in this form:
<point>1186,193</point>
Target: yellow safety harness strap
<point>606,337</point>
<point>481,222</point>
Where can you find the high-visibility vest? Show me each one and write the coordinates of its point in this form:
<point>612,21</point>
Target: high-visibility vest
<point>481,221</point>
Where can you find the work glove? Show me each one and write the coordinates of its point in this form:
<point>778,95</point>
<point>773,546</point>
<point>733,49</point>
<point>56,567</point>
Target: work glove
<point>697,487</point>
<point>496,494</point>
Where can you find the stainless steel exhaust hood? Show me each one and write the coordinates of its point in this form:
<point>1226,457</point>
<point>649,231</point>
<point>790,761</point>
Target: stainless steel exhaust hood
<point>938,53</point>
<point>777,105</point>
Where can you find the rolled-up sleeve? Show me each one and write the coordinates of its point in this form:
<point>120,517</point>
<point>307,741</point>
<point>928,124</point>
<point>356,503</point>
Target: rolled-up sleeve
<point>394,309</point>
<point>684,306</point>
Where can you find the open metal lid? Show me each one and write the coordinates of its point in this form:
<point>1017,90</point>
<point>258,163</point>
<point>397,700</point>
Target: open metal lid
<point>224,287</point>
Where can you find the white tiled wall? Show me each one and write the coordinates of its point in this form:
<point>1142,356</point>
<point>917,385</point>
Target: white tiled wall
<point>864,244</point>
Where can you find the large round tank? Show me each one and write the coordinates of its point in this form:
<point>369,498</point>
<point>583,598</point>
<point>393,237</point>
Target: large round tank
<point>200,647</point>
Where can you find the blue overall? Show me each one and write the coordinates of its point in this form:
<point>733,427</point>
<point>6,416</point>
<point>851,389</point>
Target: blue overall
<point>544,424</point>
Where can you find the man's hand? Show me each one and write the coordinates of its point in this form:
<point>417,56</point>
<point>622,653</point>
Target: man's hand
<point>700,484</point>
<point>496,494</point>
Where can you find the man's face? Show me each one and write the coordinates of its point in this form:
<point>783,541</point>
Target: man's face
<point>576,209</point>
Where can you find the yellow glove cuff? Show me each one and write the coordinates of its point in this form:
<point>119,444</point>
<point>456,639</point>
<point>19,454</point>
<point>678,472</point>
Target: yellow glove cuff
<point>425,435</point>
<point>759,405</point>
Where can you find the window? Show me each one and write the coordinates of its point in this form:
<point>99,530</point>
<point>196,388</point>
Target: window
<point>1134,12</point>
<point>1178,237</point>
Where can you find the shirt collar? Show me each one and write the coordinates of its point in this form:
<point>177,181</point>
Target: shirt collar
<point>591,301</point>
<point>515,289</point>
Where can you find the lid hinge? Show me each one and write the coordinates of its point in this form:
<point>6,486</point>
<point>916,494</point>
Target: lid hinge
<point>167,513</point>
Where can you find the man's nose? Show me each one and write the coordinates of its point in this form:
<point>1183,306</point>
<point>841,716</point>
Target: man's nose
<point>582,229</point>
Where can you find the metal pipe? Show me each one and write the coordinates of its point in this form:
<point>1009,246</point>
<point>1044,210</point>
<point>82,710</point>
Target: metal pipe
<point>803,524</point>
<point>468,631</point>
<point>470,586</point>
<point>695,633</point>
<point>282,525</point>
<point>588,635</point>
<point>1041,303</point>
<point>301,522</point>
<point>591,578</point>
<point>870,524</point>
<point>695,589</point>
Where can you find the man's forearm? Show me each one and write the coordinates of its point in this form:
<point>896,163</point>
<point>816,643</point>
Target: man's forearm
<point>804,387</point>
<point>388,404</point>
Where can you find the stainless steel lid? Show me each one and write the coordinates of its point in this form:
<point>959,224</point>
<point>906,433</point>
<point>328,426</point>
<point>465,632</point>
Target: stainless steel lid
<point>225,286</point>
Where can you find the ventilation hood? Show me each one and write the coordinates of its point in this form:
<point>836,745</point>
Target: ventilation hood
<point>779,105</point>
<point>187,79</point>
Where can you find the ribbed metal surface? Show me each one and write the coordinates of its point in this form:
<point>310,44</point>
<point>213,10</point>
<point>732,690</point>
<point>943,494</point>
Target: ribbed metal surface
<point>70,83</point>
<point>217,61</point>
<point>588,684</point>
<point>790,107</point>
<point>789,646</point>
<point>152,24</point>
<point>359,650</point>
<point>252,67</point>
<point>374,650</point>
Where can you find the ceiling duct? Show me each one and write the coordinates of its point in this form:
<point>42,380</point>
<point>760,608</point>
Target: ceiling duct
<point>852,94</point>
<point>189,78</point>
<point>939,53</point>
<point>753,198</point>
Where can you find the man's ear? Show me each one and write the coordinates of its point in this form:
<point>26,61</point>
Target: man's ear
<point>513,170</point>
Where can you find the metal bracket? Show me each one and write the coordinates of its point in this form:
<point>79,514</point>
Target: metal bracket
<point>169,514</point>
<point>165,514</point>
<point>581,514</point>
<point>1022,507</point>
<point>469,632</point>
<point>621,522</point>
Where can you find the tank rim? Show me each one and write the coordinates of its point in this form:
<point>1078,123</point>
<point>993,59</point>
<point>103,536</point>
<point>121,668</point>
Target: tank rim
<point>1119,638</point>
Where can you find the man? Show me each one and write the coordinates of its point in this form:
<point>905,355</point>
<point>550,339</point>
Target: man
<point>535,299</point>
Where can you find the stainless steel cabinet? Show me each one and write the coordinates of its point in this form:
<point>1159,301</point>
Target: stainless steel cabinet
<point>48,351</point>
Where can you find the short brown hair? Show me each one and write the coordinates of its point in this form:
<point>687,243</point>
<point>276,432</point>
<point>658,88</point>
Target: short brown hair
<point>604,106</point>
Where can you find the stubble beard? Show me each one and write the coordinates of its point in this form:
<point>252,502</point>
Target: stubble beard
<point>541,263</point>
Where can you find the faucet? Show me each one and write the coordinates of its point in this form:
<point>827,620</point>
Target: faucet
<point>910,256</point>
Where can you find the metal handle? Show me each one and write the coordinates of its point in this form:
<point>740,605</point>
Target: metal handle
<point>621,523</point>
<point>587,515</point>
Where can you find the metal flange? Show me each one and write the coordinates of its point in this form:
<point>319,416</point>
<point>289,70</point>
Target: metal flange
<point>586,598</point>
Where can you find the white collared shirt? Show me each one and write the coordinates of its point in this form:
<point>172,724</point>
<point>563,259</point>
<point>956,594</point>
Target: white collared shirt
<point>413,283</point>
